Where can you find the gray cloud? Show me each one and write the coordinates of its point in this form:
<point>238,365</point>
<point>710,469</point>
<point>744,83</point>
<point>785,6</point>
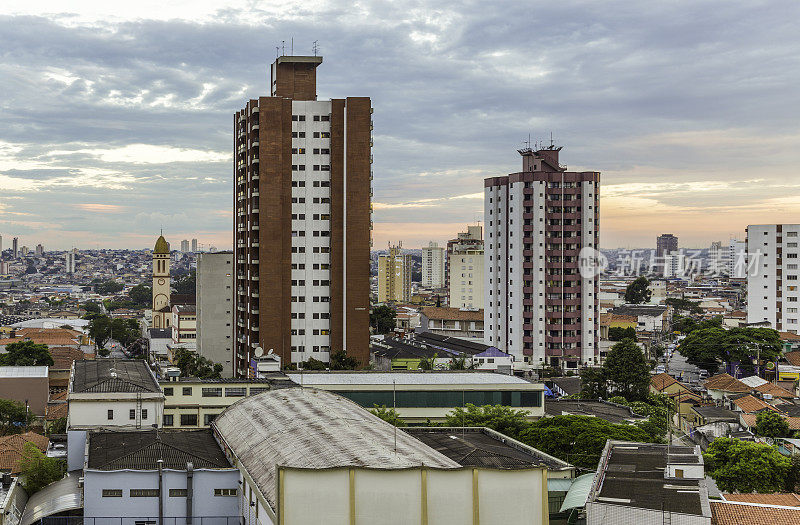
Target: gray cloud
<point>678,91</point>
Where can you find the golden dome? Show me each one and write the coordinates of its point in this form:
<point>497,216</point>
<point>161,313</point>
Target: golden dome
<point>161,245</point>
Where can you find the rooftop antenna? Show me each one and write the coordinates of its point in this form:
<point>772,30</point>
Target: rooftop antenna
<point>277,51</point>
<point>292,48</point>
<point>315,47</point>
<point>283,47</point>
<point>551,140</point>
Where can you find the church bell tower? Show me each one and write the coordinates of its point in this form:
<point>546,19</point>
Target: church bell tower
<point>161,284</point>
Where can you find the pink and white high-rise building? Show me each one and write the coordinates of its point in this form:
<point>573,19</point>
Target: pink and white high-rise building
<point>539,223</point>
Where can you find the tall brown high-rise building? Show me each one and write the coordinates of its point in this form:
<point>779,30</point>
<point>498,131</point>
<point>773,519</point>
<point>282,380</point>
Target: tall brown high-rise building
<point>302,170</point>
<point>666,243</point>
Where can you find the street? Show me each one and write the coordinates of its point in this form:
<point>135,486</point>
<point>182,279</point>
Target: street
<point>681,370</point>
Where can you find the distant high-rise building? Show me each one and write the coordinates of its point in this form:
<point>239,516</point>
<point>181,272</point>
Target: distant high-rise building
<point>69,262</point>
<point>674,264</point>
<point>666,243</point>
<point>185,245</point>
<point>466,278</point>
<point>538,306</point>
<point>394,276</point>
<point>737,259</point>
<point>433,266</point>
<point>773,285</point>
<point>718,258</point>
<point>194,245</point>
<point>1,245</point>
<point>215,304</point>
<point>470,239</point>
<point>39,250</point>
<point>302,220</point>
<point>24,250</point>
<point>15,247</point>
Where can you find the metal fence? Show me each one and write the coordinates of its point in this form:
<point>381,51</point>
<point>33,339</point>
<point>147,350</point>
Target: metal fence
<point>116,520</point>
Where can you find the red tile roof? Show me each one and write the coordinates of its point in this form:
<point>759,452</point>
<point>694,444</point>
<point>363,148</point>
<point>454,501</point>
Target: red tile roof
<point>451,314</point>
<point>750,421</point>
<point>662,381</point>
<point>11,448</point>
<point>725,382</point>
<point>786,499</point>
<point>749,404</point>
<point>775,391</point>
<point>743,514</point>
<point>793,357</point>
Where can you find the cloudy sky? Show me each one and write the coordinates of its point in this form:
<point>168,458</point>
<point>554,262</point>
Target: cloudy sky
<point>116,117</point>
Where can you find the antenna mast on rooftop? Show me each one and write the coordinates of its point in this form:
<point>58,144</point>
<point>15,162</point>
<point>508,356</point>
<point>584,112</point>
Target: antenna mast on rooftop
<point>315,47</point>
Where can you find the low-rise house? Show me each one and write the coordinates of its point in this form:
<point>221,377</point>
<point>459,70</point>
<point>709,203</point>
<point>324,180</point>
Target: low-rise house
<point>749,404</point>
<point>611,412</point>
<point>720,385</point>
<point>649,317</point>
<point>120,394</point>
<point>667,385</point>
<point>12,499</point>
<point>184,324</point>
<point>12,450</point>
<point>749,421</point>
<point>154,475</point>
<point>454,322</point>
<point>648,483</point>
<point>712,421</point>
<point>28,385</point>
<point>192,403</point>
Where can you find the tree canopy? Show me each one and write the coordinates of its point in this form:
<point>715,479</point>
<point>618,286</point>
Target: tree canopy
<point>388,414</point>
<point>638,291</point>
<point>26,353</point>
<point>381,318</point>
<point>771,424</point>
<point>578,439</point>
<point>625,372</point>
<point>684,305</point>
<point>707,347</point>
<point>141,295</point>
<point>186,284</point>
<point>13,416</point>
<point>194,365</point>
<point>341,361</point>
<point>38,470</point>
<point>107,287</point>
<point>740,466</point>
<point>618,333</point>
<point>505,420</point>
<point>92,307</point>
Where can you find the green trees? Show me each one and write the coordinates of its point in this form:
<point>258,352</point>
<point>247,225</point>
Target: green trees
<point>92,307</point>
<point>427,363</point>
<point>684,305</point>
<point>707,346</point>
<point>617,333</point>
<point>186,284</point>
<point>381,318</point>
<point>505,420</point>
<point>141,295</point>
<point>102,328</point>
<point>26,353</point>
<point>625,373</point>
<point>746,467</point>
<point>388,414</point>
<point>13,417</point>
<point>657,408</point>
<point>638,291</point>
<point>771,424</point>
<point>578,439</point>
<point>341,361</point>
<point>313,364</point>
<point>38,470</point>
<point>193,365</point>
<point>107,287</point>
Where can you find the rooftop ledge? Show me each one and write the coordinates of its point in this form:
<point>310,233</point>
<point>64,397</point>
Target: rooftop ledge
<point>299,59</point>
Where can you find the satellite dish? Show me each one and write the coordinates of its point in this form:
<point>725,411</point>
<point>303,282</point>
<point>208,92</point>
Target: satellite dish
<point>258,351</point>
<point>270,351</point>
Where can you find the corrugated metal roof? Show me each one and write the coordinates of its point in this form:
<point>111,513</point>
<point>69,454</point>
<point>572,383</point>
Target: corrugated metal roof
<point>141,450</point>
<point>59,496</point>
<point>310,428</point>
<point>23,371</point>
<point>113,375</point>
<point>578,492</point>
<point>405,378</point>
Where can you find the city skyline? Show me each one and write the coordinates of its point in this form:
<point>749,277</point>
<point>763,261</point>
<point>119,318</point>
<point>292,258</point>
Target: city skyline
<point>113,131</point>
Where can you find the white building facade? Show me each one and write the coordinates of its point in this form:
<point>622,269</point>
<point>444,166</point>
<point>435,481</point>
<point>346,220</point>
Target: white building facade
<point>466,279</point>
<point>737,259</point>
<point>215,309</point>
<point>538,306</point>
<point>772,275</point>
<point>433,259</point>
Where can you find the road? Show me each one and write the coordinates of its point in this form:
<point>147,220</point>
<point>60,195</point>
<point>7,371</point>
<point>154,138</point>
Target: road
<point>680,369</point>
<point>116,349</point>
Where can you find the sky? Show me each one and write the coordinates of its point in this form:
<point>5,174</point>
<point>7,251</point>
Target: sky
<point>116,117</point>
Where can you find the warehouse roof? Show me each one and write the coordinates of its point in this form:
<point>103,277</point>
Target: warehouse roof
<point>140,450</point>
<point>406,378</point>
<point>482,447</point>
<point>22,371</point>
<point>113,375</point>
<point>314,429</point>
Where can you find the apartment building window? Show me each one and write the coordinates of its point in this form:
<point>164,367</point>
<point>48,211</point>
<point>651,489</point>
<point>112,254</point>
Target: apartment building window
<point>235,392</point>
<point>788,234</point>
<point>188,420</point>
<point>144,413</point>
<point>225,492</point>
<point>132,414</point>
<point>209,418</point>
<point>299,118</point>
<point>110,415</point>
<point>178,493</point>
<point>168,391</point>
<point>258,389</point>
<point>144,493</point>
<point>112,493</point>
<point>187,390</point>
<point>212,392</point>
<point>169,420</point>
<point>326,118</point>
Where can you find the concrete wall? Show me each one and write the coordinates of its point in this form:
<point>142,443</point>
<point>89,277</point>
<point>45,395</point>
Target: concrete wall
<point>34,390</point>
<point>205,504</point>
<point>215,305</point>
<point>413,496</point>
<point>94,413</point>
